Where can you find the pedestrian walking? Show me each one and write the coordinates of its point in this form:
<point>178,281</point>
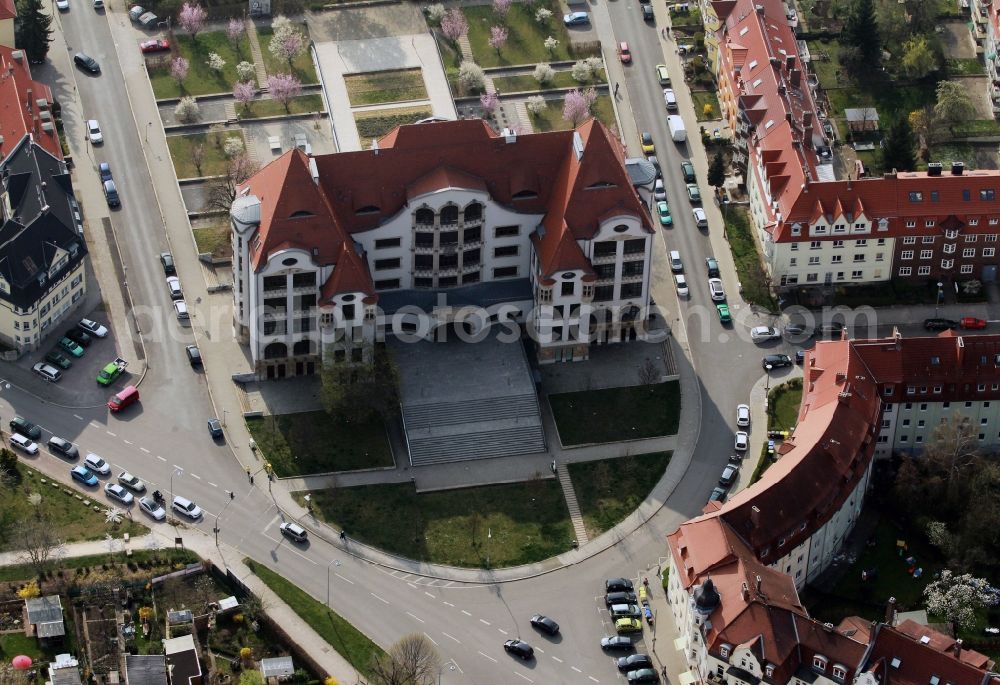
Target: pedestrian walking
<point>249,477</point>
<point>251,480</point>
<point>553,466</point>
<point>617,86</point>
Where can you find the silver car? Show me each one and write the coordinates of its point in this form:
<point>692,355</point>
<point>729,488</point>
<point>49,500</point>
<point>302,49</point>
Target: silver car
<point>115,491</point>
<point>152,509</point>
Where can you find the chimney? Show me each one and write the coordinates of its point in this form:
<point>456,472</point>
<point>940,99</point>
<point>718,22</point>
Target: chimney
<point>757,583</point>
<point>745,592</point>
<point>760,10</point>
<point>509,136</point>
<point>795,76</point>
<point>18,56</point>
<point>934,168</point>
<point>788,116</point>
<point>789,62</point>
<point>958,648</point>
<point>890,612</point>
<point>957,168</point>
<point>754,516</point>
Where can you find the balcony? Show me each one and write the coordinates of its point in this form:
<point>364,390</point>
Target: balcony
<point>633,255</point>
<point>424,249</point>
<point>632,278</point>
<point>304,289</point>
<point>605,259</point>
<point>275,292</point>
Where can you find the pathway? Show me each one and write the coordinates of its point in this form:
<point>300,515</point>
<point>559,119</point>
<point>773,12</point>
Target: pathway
<point>258,56</point>
<point>574,507</point>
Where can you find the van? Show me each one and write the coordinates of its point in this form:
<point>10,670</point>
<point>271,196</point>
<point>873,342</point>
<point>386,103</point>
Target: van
<point>676,265</point>
<point>669,99</point>
<point>624,611</point>
<point>49,373</point>
<point>129,395</point>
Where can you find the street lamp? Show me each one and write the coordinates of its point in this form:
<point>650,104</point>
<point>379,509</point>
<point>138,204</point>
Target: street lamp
<point>215,530</point>
<point>489,536</point>
<point>178,471</point>
<point>940,296</point>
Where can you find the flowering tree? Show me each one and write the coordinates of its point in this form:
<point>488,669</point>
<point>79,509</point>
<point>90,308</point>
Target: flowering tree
<point>232,147</point>
<point>435,13</point>
<point>544,73</point>
<point>543,15</point>
<point>535,104</point>
<point>287,44</point>
<point>454,25</point>
<point>284,88</point>
<point>192,18</point>
<point>551,44</point>
<point>179,70</point>
<point>471,76</point>
<point>243,93</point>
<point>498,38</point>
<point>234,32</point>
<point>215,62</point>
<point>490,102</point>
<point>577,105</point>
<point>595,64</point>
<point>501,8</point>
<point>957,597</point>
<point>245,71</point>
<point>581,71</point>
<point>187,110</point>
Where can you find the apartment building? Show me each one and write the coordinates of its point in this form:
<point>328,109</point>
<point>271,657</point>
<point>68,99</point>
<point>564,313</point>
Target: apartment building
<point>8,13</point>
<point>441,223</point>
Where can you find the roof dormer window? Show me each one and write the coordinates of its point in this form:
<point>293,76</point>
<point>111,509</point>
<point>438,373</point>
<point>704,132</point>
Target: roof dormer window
<point>769,671</point>
<point>724,651</point>
<point>819,663</point>
<point>840,673</point>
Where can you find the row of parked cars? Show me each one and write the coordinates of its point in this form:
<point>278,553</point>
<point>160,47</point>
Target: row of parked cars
<point>72,343</point>
<point>621,600</point>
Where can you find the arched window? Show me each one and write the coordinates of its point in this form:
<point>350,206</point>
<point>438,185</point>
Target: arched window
<point>304,347</point>
<point>276,350</point>
<point>425,216</point>
<point>449,214</point>
<point>474,212</point>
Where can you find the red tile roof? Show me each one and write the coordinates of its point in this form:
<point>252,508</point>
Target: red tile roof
<point>943,643</point>
<point>898,659</point>
<point>19,115</point>
<point>8,10</point>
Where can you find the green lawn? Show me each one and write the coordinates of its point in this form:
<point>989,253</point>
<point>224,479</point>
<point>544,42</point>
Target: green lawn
<point>315,442</point>
<point>22,572</point>
<point>611,489</point>
<point>526,37</point>
<point>970,66</point>
<point>527,82</point>
<point>214,162</point>
<point>783,405</point>
<point>751,273</point>
<point>594,416</point>
<point>551,118</point>
<point>72,520</point>
<point>702,98</point>
<point>214,239</point>
<point>976,127</point>
<point>200,79</point>
<point>302,66</point>
<point>272,108</point>
<point>398,85</point>
<point>377,123</point>
<point>512,524</point>
<point>349,642</point>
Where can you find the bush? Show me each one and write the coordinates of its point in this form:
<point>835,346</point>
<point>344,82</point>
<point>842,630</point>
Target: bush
<point>471,76</point>
<point>187,110</point>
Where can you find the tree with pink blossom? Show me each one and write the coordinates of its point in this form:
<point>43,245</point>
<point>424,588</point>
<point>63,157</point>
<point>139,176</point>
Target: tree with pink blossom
<point>243,93</point>
<point>489,102</point>
<point>179,70</point>
<point>192,18</point>
<point>577,106</point>
<point>498,38</point>
<point>287,45</point>
<point>283,88</point>
<point>501,8</point>
<point>234,32</point>
<point>454,25</point>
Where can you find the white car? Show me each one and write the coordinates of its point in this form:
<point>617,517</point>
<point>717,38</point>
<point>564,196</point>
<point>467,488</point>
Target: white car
<point>659,192</point>
<point>152,509</point>
<point>716,290</point>
<point>764,333</point>
<point>94,132</point>
<point>62,5</point>
<point>742,415</point>
<point>700,219</point>
<point>96,464</point>
<point>24,444</point>
<point>131,482</point>
<point>115,491</point>
<point>186,507</point>
<point>181,309</point>
<point>742,441</point>
<point>682,285</point>
<point>93,328</point>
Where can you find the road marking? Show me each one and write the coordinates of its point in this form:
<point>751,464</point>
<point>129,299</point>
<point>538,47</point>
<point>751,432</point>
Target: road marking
<point>78,417</point>
<point>429,595</point>
<point>160,458</point>
<point>452,637</point>
<point>415,618</point>
<point>179,468</point>
<point>412,585</point>
<point>523,676</point>
<point>458,667</point>
<point>378,598</point>
<point>449,604</point>
<point>277,517</point>
<point>466,612</point>
<point>576,669</point>
<point>594,679</point>
<point>127,442</point>
<point>94,424</point>
<point>502,631</point>
<point>540,651</point>
<point>484,621</point>
<point>195,475</point>
<point>212,484</point>
<point>348,580</point>
<point>113,435</point>
<point>488,657</point>
<point>431,639</point>
<point>143,449</point>
<point>557,659</point>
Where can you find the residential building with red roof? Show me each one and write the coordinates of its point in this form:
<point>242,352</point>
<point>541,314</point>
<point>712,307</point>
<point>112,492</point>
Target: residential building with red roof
<point>435,218</point>
<point>8,13</point>
<point>816,228</point>
<point>25,106</point>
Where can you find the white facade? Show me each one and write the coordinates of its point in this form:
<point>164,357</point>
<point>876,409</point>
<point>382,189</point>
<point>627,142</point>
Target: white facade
<point>25,328</point>
<point>909,426</point>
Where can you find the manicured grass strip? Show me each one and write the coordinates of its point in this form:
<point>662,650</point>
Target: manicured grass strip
<point>783,405</point>
<point>316,442</point>
<point>526,37</point>
<point>612,414</point>
<point>702,98</point>
<point>611,489</point>
<point>509,524</point>
<point>751,273</point>
<point>377,123</point>
<point>375,87</point>
<point>527,82</point>
<point>214,162</point>
<point>302,66</point>
<point>349,642</point>
<point>272,108</point>
<point>214,239</point>
<point>26,572</point>
<point>200,79</point>
<point>551,118</point>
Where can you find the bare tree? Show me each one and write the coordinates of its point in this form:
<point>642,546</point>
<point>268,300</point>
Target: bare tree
<point>953,448</point>
<point>412,660</point>
<point>198,157</point>
<point>222,191</point>
<point>37,542</point>
<point>649,372</point>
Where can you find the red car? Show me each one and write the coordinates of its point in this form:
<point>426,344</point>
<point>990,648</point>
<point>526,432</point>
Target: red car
<point>154,45</point>
<point>624,53</point>
<point>973,322</point>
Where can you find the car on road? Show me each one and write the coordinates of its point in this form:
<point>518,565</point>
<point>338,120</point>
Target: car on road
<point>63,447</point>
<point>937,324</point>
<point>764,333</point>
<point>623,626</point>
<point>59,359</point>
<point>23,443</point>
<point>135,12</point>
<point>700,218</point>
<point>174,286</point>
<point>115,491</point>
<point>609,642</point>
<point>659,192</point>
<point>676,263</point>
<point>47,371</point>
<point>215,428</point>
<point>833,329</point>
<point>724,314</point>
<point>93,328</point>
<point>293,531</point>
<point>634,662</point>
<point>619,597</point>
<point>97,464</point>
<point>624,54</point>
<point>742,439</point>
<point>682,285</point>
<point>148,46</point>
<point>185,506</point>
<point>800,357</point>
<point>104,171</point>
<point>111,194</point>
<point>793,329</point>
<point>647,13</point>
<point>167,260</point>
<point>656,164</point>
<point>94,132</point>
<point>625,610</point>
<point>663,213</point>
<point>669,99</point>
<point>742,414</point>
<point>83,475</point>
<point>728,475</point>
<point>694,194</point>
<point>576,19</point>
<point>152,508</point>
<point>642,675</point>
<point>79,337</point>
<point>687,170</point>
<point>718,495</point>
<point>193,355</point>
<point>87,63</point>
<point>712,267</point>
<point>62,5</point>
<point>776,361</point>
<point>618,585</point>
<point>181,310</point>
<point>522,650</point>
<point>662,75</point>
<point>71,347</point>
<point>131,482</point>
<point>544,624</point>
<point>973,323</point>
<point>715,289</point>
<point>24,427</point>
<point>648,146</point>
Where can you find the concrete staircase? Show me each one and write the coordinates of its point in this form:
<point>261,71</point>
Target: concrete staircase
<point>444,432</point>
<point>574,507</point>
<point>258,56</point>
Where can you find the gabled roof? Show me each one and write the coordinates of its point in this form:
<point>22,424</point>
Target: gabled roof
<point>895,658</point>
<point>143,669</point>
<point>8,10</point>
<point>20,114</point>
<point>943,643</point>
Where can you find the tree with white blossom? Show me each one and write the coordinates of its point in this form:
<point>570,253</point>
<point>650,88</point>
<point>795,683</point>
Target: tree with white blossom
<point>471,76</point>
<point>435,13</point>
<point>957,597</point>
<point>287,43</point>
<point>551,43</point>
<point>535,104</point>
<point>581,71</point>
<point>542,16</point>
<point>187,110</point>
<point>192,18</point>
<point>215,62</point>
<point>543,73</point>
<point>245,71</point>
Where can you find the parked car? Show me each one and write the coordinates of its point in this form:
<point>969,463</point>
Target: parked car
<point>724,314</point>
<point>694,194</point>
<point>972,323</point>
<point>215,428</point>
<point>23,443</point>
<point>135,12</point>
<point>181,309</point>
<point>625,610</point>
<point>57,358</point>
<point>718,495</point>
<point>676,263</point>
<point>167,260</point>
<point>624,626</point>
<point>642,675</point>
<point>775,361</point>
<point>293,531</point>
<point>742,414</point>
<point>712,267</point>
<point>87,63</point>
<point>47,372</point>
<point>94,132</point>
<point>647,13</point>
<point>622,642</point>
<point>131,482</point>
<point>79,337</point>
<point>63,447</point>
<point>174,286</point>
<point>185,506</point>
<point>82,474</point>
<point>687,170</point>
<point>728,475</point>
<point>656,163</point>
<point>62,5</point>
<point>682,286</point>
<point>522,650</point>
<point>93,328</point>
<point>97,464</point>
<point>619,597</point>
<point>117,492</point>
<point>833,329</point>
<point>24,427</point>
<point>659,192</point>
<point>104,171</point>
<point>764,333</point>
<point>544,624</point>
<point>715,289</point>
<point>148,46</point>
<point>742,439</point>
<point>152,508</point>
<point>700,218</point>
<point>662,75</point>
<point>71,347</point>
<point>193,355</point>
<point>800,356</point>
<point>618,585</point>
<point>576,19</point>
<point>940,324</point>
<point>624,54</point>
<point>663,212</point>
<point>646,140</point>
<point>633,662</point>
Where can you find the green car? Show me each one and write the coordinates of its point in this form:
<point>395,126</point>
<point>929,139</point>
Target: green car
<point>693,193</point>
<point>71,347</point>
<point>724,316</point>
<point>59,359</point>
<point>687,169</point>
<point>664,213</point>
